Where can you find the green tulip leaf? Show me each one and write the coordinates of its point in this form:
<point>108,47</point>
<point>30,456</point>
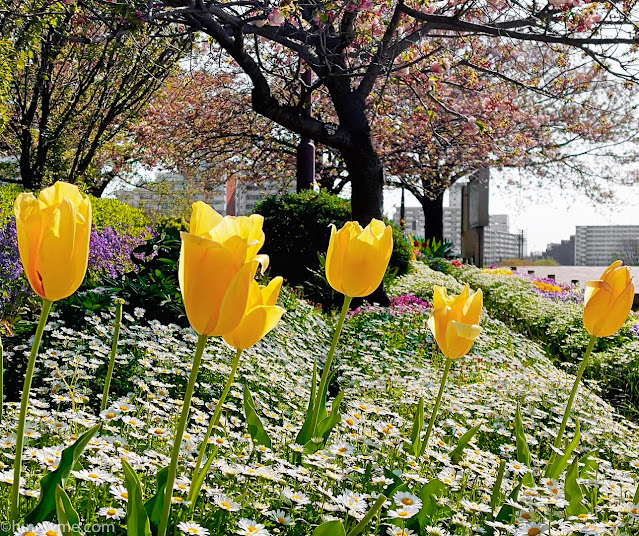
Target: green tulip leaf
<point>418,424</point>
<point>305,435</point>
<point>46,507</point>
<point>561,463</point>
<point>573,491</point>
<point>253,422</point>
<point>428,494</point>
<point>523,452</point>
<point>330,528</point>
<point>137,520</point>
<point>456,454</point>
<point>153,506</point>
<point>68,518</point>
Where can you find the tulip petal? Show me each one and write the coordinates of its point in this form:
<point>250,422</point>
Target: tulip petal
<point>61,268</point>
<point>271,292</point>
<point>472,308</point>
<point>234,303</point>
<point>203,219</point>
<point>334,260</point>
<point>255,325</point>
<point>440,297</point>
<point>459,345</point>
<point>611,317</point>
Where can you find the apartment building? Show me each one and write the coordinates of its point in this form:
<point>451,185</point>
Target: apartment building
<point>598,245</point>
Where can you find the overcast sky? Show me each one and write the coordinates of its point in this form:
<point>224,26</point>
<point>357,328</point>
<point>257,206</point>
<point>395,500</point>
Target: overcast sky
<point>548,215</point>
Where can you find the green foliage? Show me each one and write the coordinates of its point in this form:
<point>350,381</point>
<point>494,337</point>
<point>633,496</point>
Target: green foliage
<point>8,194</point>
<point>46,506</point>
<point>545,262</point>
<point>137,520</point>
<point>255,427</point>
<point>113,213</point>
<point>297,227</point>
<point>68,518</point>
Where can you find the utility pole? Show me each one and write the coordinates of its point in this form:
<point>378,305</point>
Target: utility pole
<point>306,147</point>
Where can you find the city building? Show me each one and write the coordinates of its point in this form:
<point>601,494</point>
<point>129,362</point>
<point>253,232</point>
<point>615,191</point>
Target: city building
<point>499,243</point>
<point>598,245</point>
<point>563,253</point>
<point>172,194</point>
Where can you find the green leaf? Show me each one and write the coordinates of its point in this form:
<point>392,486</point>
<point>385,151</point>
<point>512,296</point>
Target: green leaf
<point>137,520</point>
<point>198,481</point>
<point>397,484</point>
<point>523,453</point>
<point>46,507</point>
<point>153,506</point>
<point>68,518</point>
<point>253,422</point>
<point>305,435</point>
<point>418,424</point>
<point>590,467</point>
<point>330,528</point>
<point>325,426</point>
<point>561,463</point>
<point>428,495</point>
<point>456,455</point>
<point>506,511</point>
<point>574,493</point>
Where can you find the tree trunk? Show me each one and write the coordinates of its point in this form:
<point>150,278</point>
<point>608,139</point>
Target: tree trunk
<point>367,181</point>
<point>434,217</point>
<point>366,174</point>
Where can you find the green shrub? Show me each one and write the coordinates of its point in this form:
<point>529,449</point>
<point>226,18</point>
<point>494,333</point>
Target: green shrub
<point>114,213</point>
<point>8,194</point>
<point>297,233</point>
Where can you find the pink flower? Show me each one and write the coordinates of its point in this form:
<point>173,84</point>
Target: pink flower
<point>276,18</point>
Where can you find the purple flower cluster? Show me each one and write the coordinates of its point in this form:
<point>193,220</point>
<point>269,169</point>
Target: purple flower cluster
<point>110,251</point>
<point>14,284</point>
<point>634,330</point>
<point>409,301</point>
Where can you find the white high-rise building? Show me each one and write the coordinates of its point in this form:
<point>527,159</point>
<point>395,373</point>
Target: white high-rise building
<point>599,245</point>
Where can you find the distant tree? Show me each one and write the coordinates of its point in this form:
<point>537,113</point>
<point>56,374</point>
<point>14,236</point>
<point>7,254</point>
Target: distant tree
<point>629,253</point>
<point>545,262</point>
<point>69,103</point>
<point>354,47</point>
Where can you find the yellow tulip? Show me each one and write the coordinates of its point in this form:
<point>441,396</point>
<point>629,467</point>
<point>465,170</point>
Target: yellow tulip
<point>262,315</point>
<point>357,258</point>
<point>53,238</point>
<point>218,261</point>
<point>608,301</point>
<point>454,321</point>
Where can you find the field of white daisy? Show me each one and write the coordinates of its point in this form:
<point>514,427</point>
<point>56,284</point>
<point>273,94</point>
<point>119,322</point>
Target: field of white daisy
<point>484,471</point>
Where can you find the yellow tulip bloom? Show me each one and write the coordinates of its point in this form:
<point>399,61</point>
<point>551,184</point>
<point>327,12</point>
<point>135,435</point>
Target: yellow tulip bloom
<point>608,301</point>
<point>53,239</point>
<point>454,321</point>
<point>218,261</point>
<point>262,315</point>
<point>357,258</point>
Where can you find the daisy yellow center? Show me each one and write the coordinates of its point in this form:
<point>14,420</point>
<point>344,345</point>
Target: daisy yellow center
<point>342,449</point>
<point>252,530</point>
<point>192,530</point>
<point>29,533</point>
<point>158,432</point>
<point>526,515</point>
<point>583,516</point>
<point>51,533</point>
<point>111,512</point>
<point>181,486</point>
<point>226,505</point>
<point>533,531</point>
<point>350,422</point>
<point>402,514</point>
<point>124,495</point>
<point>407,501</point>
<point>110,415</point>
<point>634,511</point>
<point>219,440</point>
<point>295,497</point>
<point>281,520</point>
<point>93,475</point>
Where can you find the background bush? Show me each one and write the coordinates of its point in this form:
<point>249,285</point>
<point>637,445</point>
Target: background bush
<point>297,234</point>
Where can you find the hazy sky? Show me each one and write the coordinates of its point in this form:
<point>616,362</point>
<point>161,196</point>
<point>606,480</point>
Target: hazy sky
<point>548,215</point>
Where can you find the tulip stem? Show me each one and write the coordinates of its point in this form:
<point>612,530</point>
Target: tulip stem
<point>433,415</point>
<point>114,350</point>
<point>571,398</point>
<point>179,434</point>
<point>24,405</point>
<point>214,420</point>
<point>328,363</point>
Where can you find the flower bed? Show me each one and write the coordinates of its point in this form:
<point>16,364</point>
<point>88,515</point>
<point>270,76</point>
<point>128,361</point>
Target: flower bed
<point>556,324</point>
<point>387,364</point>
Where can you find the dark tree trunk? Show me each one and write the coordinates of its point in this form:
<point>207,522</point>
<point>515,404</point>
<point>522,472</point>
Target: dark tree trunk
<point>433,217</point>
<point>366,175</point>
